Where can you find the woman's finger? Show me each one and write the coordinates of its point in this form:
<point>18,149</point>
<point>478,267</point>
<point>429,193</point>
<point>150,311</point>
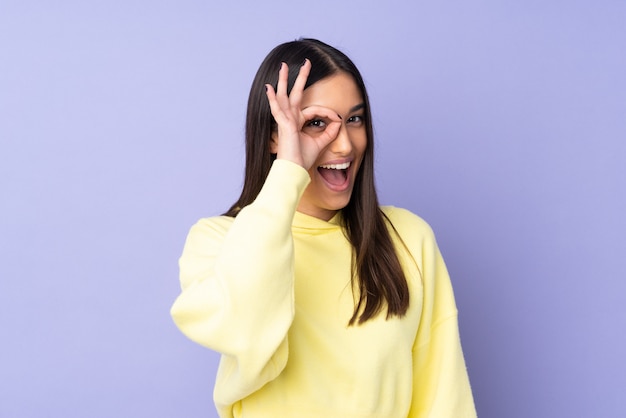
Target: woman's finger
<point>311,112</point>
<point>331,120</point>
<point>283,76</point>
<point>298,85</point>
<point>331,131</point>
<point>273,102</point>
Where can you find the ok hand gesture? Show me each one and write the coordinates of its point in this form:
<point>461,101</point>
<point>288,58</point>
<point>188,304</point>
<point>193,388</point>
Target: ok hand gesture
<point>302,133</point>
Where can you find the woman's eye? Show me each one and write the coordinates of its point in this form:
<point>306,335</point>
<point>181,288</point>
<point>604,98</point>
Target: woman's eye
<point>355,119</point>
<point>316,123</point>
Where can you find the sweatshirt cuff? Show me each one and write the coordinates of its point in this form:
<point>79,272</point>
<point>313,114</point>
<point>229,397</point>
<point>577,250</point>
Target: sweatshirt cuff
<point>285,183</point>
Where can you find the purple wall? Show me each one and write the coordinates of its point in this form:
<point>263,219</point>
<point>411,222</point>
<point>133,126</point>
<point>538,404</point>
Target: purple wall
<point>502,123</point>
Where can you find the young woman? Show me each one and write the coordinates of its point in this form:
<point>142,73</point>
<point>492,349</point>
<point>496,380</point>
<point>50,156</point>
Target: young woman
<point>321,303</point>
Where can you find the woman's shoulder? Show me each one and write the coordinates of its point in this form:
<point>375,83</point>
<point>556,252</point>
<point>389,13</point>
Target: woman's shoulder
<point>215,226</point>
<point>407,223</point>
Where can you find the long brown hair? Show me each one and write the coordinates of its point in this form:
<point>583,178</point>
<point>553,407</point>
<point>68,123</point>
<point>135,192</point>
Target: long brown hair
<point>378,279</point>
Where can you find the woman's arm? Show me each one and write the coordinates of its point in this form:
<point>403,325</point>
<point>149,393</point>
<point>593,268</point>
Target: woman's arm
<point>237,286</point>
<point>440,382</point>
<point>237,275</point>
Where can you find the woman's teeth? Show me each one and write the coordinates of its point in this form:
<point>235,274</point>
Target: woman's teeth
<point>336,166</point>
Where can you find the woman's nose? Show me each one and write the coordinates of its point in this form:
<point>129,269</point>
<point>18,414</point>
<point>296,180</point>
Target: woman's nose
<point>341,145</point>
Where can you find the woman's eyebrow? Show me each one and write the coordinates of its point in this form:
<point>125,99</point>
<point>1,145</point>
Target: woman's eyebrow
<point>357,107</point>
<point>352,109</point>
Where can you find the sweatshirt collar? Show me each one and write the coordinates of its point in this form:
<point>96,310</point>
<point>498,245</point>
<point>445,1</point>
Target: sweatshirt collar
<point>303,221</point>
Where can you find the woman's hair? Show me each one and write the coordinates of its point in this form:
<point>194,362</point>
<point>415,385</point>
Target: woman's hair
<point>376,267</point>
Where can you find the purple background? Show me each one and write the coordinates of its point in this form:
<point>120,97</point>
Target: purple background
<point>502,123</point>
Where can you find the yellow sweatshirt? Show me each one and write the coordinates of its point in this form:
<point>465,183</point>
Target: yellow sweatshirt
<point>270,290</point>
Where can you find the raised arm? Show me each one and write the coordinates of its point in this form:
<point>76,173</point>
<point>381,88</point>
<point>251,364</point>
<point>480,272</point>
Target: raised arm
<point>237,286</point>
<point>237,274</point>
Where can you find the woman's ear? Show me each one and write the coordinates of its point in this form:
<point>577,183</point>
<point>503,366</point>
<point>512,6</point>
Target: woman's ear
<point>274,142</point>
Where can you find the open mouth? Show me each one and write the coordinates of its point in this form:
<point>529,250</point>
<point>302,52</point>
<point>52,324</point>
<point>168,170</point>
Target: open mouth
<point>335,174</point>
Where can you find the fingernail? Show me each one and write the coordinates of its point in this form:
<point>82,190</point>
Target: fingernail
<point>339,116</point>
<point>266,88</point>
<point>281,66</point>
<point>304,62</point>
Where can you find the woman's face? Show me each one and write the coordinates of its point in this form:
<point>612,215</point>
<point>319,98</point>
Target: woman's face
<point>337,165</point>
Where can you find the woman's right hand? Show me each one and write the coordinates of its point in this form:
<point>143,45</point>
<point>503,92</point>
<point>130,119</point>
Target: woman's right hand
<point>294,139</point>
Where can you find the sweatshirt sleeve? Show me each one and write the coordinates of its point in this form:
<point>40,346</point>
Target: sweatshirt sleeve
<point>237,286</point>
<point>441,385</point>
